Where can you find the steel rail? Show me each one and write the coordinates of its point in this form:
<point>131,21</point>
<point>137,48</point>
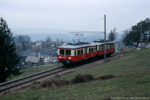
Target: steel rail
<point>29,78</point>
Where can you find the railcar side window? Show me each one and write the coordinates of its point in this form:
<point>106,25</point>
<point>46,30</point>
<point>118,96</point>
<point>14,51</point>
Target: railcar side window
<point>78,53</point>
<point>68,52</point>
<point>110,46</point>
<point>90,50</point>
<point>81,52</point>
<point>102,47</point>
<point>107,46</point>
<point>75,52</point>
<point>85,50</point>
<point>61,51</point>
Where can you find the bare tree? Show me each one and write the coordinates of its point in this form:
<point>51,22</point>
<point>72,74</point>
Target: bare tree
<point>23,42</point>
<point>36,49</point>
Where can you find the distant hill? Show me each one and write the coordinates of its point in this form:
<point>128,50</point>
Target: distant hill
<point>41,34</point>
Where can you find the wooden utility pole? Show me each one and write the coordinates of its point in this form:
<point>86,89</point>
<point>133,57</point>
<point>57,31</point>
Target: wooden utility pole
<point>141,34</point>
<point>105,39</point>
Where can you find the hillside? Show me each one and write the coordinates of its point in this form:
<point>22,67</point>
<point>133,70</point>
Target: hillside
<point>125,77</point>
<point>32,70</point>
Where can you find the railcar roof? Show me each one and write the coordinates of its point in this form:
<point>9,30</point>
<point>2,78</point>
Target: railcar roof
<point>76,46</point>
<point>100,43</point>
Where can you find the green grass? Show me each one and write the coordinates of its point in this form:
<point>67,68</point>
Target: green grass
<point>29,71</point>
<point>134,81</point>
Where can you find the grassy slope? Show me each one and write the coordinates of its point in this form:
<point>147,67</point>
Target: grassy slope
<point>29,71</point>
<point>134,70</point>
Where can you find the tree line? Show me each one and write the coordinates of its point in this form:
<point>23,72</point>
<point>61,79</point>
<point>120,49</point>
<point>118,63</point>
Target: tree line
<point>139,33</point>
<point>24,43</point>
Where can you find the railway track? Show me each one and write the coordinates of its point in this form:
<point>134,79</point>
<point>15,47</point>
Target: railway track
<point>31,78</point>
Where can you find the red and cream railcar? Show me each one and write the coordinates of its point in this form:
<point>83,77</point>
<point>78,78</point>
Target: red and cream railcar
<point>110,48</point>
<point>76,52</point>
<point>71,52</point>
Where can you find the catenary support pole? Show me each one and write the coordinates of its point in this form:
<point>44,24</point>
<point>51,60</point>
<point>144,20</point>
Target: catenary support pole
<point>105,38</point>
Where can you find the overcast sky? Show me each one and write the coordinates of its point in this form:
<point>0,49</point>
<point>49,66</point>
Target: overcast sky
<point>74,14</point>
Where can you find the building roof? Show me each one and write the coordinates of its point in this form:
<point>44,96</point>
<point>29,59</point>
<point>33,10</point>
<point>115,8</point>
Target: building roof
<point>32,59</point>
<point>48,52</point>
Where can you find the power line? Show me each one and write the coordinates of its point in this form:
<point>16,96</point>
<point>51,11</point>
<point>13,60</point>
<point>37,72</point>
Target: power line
<point>87,32</point>
<point>91,24</point>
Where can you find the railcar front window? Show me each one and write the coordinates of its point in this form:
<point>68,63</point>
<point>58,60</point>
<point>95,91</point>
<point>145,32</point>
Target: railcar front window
<point>61,52</point>
<point>68,52</point>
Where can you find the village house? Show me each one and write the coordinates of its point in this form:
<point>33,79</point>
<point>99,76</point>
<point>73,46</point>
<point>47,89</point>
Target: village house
<point>32,61</point>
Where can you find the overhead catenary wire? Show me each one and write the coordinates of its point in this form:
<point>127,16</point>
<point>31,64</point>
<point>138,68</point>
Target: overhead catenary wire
<point>91,24</point>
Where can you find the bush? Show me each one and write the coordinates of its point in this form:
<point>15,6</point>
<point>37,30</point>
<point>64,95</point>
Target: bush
<point>82,78</point>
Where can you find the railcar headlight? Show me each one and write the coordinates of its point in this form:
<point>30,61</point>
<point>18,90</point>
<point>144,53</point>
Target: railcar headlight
<point>69,57</point>
<point>59,56</point>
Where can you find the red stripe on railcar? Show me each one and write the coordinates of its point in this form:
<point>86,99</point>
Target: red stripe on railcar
<point>107,51</point>
<point>77,58</point>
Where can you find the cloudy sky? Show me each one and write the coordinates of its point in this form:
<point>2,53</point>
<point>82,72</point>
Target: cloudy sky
<point>74,14</point>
